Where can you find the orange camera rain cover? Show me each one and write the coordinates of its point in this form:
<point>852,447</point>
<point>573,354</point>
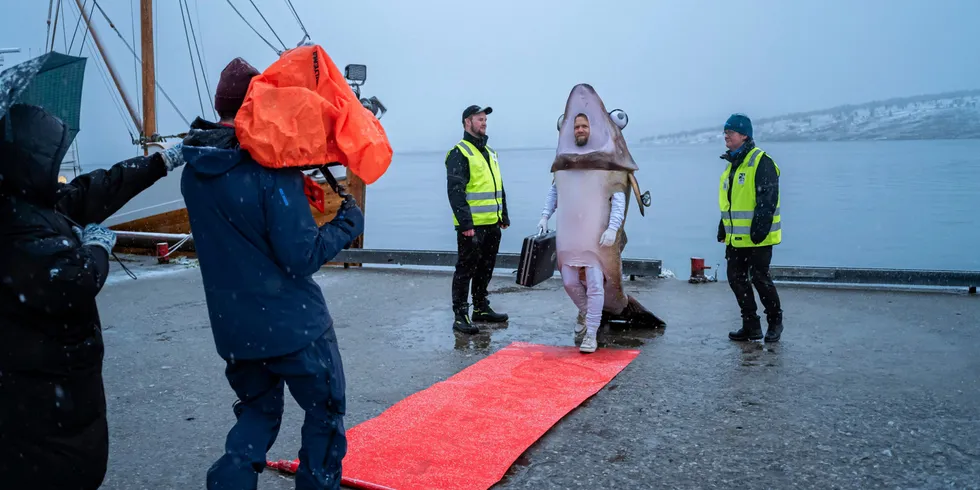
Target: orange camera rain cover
<point>300,112</point>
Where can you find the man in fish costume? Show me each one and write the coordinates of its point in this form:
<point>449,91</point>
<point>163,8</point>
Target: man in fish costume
<point>594,169</point>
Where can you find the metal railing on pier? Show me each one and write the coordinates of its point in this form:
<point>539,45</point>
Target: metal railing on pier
<point>840,276</point>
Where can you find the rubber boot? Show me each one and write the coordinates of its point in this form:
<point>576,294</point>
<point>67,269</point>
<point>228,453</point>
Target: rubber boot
<point>775,330</point>
<point>486,314</point>
<point>462,323</point>
<point>751,330</point>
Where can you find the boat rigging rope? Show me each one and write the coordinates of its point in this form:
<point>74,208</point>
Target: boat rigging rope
<point>136,69</point>
<point>190,54</point>
<point>64,31</point>
<point>48,35</point>
<point>77,23</point>
<point>127,122</point>
<point>268,24</point>
<point>289,4</point>
<point>85,34</point>
<point>138,60</point>
<point>278,52</point>
<point>203,53</point>
<point>54,34</point>
<point>179,244</point>
<point>200,59</point>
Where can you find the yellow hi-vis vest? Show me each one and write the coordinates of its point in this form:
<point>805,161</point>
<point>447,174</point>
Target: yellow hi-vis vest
<point>737,215</point>
<point>484,191</point>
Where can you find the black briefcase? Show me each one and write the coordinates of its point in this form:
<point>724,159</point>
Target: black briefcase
<point>538,259</point>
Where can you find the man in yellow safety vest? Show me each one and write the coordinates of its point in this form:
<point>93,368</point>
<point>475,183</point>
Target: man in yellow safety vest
<point>750,225</point>
<point>479,205</point>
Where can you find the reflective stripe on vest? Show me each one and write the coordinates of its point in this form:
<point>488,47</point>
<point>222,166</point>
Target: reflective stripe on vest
<point>484,191</point>
<point>736,216</point>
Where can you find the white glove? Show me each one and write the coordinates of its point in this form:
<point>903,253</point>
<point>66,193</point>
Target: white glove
<point>608,238</point>
<point>543,225</point>
<point>173,157</point>
<point>99,236</point>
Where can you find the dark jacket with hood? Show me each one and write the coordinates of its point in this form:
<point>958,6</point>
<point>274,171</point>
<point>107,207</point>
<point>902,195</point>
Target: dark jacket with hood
<point>53,431</point>
<point>458,175</point>
<point>766,192</point>
<point>258,246</point>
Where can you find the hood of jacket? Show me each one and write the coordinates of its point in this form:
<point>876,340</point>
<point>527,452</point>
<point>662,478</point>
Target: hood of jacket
<point>32,145</point>
<point>211,149</point>
<point>736,156</point>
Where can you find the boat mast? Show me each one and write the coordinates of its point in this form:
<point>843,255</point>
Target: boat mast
<point>149,82</point>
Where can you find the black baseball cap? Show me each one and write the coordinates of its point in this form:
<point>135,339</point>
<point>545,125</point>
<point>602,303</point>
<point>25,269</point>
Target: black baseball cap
<point>475,109</point>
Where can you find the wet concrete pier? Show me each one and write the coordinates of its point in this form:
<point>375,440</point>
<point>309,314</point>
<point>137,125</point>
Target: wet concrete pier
<point>867,389</point>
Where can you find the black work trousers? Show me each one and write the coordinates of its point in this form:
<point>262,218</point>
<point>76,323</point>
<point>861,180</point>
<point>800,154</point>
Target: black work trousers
<point>749,267</point>
<point>477,256</point>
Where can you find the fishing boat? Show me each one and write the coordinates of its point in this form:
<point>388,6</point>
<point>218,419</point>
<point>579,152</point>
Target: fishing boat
<point>157,219</point>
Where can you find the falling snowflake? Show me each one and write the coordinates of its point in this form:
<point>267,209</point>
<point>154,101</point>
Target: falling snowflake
<point>59,394</point>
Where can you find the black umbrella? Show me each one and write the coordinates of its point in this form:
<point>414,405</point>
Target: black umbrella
<point>52,81</point>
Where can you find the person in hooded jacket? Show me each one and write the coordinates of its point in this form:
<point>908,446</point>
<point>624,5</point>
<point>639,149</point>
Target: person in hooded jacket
<point>258,247</point>
<point>54,259</point>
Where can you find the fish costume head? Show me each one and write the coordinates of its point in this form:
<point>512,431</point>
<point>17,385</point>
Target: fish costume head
<point>605,149</point>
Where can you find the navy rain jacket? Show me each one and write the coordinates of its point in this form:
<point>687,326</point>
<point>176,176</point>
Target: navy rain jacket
<point>258,246</point>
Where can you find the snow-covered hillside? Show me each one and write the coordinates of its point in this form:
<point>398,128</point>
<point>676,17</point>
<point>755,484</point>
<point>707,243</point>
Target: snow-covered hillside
<point>943,116</point>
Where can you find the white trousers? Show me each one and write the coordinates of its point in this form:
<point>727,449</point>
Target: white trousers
<point>587,296</point>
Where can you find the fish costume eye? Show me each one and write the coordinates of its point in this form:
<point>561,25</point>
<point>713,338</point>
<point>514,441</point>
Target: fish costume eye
<point>561,119</point>
<point>619,117</point>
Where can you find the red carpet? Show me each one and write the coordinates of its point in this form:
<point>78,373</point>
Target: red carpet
<point>465,432</point>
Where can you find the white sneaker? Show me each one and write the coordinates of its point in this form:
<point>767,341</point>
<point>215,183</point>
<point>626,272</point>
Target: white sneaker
<point>579,333</point>
<point>589,343</point>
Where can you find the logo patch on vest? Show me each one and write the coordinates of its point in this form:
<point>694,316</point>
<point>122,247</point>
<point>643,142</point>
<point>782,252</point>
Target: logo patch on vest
<point>741,178</point>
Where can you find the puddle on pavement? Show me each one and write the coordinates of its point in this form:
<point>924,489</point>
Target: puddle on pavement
<point>516,289</point>
<point>430,329</point>
<point>758,353</point>
<point>523,464</point>
<point>621,335</point>
<point>472,342</point>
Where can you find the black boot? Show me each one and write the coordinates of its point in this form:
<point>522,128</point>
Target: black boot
<point>774,332</point>
<point>775,329</point>
<point>462,323</point>
<point>751,330</point>
<point>486,314</point>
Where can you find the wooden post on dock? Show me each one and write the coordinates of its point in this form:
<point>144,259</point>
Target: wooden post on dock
<point>358,190</point>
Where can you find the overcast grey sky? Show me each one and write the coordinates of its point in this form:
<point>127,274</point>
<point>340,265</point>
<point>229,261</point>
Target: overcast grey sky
<point>671,65</point>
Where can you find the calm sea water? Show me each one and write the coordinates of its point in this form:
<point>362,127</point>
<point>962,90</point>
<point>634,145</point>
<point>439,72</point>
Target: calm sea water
<point>910,204</point>
<point>855,204</point>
